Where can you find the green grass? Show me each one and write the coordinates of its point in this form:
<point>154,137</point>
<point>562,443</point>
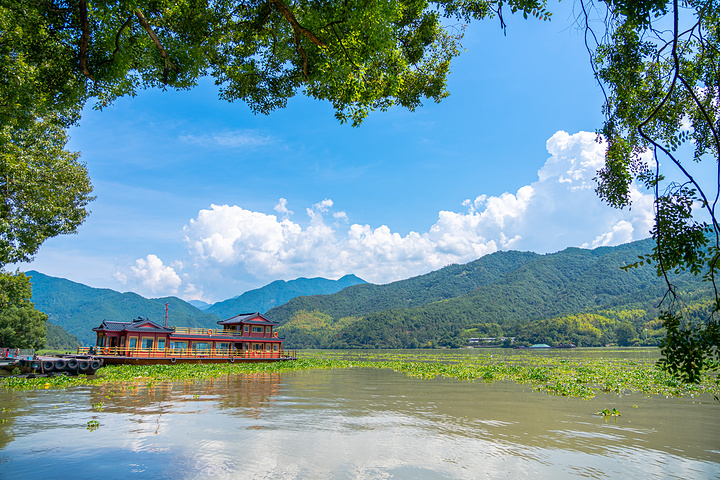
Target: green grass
<point>568,377</point>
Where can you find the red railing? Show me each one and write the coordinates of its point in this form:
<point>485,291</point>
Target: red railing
<point>183,352</point>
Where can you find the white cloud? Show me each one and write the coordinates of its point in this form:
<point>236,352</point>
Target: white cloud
<point>192,292</point>
<point>560,209</point>
<point>282,209</point>
<point>120,277</point>
<point>622,232</point>
<point>229,139</point>
<point>154,277</point>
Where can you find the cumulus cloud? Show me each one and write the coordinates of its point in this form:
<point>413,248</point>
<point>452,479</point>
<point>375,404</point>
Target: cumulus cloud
<point>154,277</point>
<point>229,139</point>
<point>558,210</point>
<point>282,209</point>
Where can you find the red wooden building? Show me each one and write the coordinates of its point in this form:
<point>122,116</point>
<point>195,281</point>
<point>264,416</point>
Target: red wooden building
<point>247,336</point>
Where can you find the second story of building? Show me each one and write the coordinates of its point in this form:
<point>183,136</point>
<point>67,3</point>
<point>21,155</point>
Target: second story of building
<point>249,325</point>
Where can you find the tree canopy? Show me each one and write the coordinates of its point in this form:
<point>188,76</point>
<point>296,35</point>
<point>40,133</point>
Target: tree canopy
<point>56,55</point>
<point>658,63</point>
<point>21,326</point>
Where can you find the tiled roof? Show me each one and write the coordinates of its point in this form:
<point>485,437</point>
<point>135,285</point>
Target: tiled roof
<point>249,318</point>
<point>134,326</point>
<point>111,326</point>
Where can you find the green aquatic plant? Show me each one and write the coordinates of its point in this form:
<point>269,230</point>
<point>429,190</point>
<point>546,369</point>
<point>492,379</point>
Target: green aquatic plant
<point>606,412</point>
<point>98,406</point>
<point>577,377</point>
<point>93,425</point>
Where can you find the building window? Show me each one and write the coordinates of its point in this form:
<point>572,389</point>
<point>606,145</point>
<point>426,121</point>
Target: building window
<point>257,329</point>
<point>247,329</point>
<point>147,343</point>
<point>133,342</point>
<point>222,347</point>
<point>201,347</point>
<point>275,347</point>
<point>178,345</point>
<point>161,344</point>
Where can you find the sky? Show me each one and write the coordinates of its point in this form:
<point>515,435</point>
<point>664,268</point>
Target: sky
<point>201,199</point>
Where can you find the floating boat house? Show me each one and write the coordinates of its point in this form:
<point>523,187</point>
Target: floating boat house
<point>245,336</point>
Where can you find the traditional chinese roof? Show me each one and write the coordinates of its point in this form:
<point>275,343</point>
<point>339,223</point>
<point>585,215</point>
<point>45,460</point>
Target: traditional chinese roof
<point>247,318</point>
<point>137,325</point>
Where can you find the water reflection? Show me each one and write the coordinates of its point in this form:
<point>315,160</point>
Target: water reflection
<point>354,423</point>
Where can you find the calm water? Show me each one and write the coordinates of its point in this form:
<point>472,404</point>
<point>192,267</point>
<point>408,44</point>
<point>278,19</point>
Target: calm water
<point>354,424</point>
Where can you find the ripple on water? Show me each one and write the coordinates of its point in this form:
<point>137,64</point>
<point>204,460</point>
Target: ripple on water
<point>354,424</point>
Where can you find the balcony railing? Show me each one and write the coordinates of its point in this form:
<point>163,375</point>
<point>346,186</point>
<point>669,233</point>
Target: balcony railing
<point>216,331</point>
<point>184,352</point>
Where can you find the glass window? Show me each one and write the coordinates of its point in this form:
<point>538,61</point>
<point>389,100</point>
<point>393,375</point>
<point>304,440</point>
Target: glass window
<point>161,344</point>
<point>201,347</point>
<point>133,342</point>
<point>247,329</point>
<point>257,329</point>
<point>147,343</point>
<point>178,345</point>
<point>222,347</point>
<point>275,347</point>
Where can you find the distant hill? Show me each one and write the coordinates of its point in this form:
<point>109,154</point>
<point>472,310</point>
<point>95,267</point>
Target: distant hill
<point>200,305</point>
<point>278,292</point>
<point>57,338</point>
<point>78,308</point>
<point>508,289</point>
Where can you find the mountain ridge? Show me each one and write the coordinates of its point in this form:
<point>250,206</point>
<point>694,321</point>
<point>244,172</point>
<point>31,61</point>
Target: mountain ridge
<point>279,292</point>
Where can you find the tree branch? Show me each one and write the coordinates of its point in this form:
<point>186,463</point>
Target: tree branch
<point>84,39</point>
<point>163,53</point>
<point>285,11</point>
<point>117,41</point>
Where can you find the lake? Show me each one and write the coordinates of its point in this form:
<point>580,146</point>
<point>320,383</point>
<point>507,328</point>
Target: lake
<point>354,423</point>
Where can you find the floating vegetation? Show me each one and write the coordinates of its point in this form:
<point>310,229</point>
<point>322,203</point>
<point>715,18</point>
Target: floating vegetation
<point>575,376</point>
<point>98,406</point>
<point>606,412</point>
<point>93,425</point>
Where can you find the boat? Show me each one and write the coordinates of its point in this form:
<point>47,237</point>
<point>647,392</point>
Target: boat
<point>246,337</point>
<point>25,362</point>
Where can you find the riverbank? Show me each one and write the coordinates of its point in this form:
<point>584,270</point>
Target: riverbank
<point>577,374</point>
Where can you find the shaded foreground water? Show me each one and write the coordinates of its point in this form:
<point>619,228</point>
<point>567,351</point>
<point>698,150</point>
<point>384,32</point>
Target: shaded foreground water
<point>351,423</point>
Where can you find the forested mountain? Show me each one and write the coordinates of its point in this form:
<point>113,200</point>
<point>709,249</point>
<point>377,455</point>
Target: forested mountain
<point>573,296</point>
<point>57,338</point>
<point>449,282</point>
<point>278,292</point>
<point>78,308</point>
<point>529,288</point>
<point>200,305</point>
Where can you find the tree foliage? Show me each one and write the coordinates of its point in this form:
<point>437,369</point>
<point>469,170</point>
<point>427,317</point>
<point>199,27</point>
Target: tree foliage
<point>56,55</point>
<point>658,64</point>
<point>21,326</point>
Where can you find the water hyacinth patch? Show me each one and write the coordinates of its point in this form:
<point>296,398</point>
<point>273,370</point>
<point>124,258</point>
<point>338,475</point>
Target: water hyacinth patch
<point>578,377</point>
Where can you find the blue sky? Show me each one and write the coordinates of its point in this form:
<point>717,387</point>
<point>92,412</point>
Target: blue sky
<point>202,199</point>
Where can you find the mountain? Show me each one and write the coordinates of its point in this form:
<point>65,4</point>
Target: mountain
<point>507,289</point>
<point>448,282</point>
<point>57,338</point>
<point>79,308</point>
<point>279,292</point>
<point>200,305</point>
